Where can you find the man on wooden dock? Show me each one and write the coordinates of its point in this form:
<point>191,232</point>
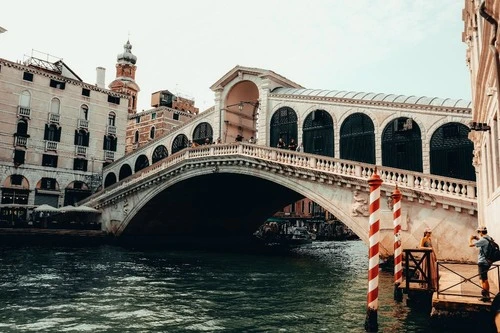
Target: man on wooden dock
<point>482,242</point>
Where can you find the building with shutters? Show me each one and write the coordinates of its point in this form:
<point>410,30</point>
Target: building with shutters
<point>56,134</point>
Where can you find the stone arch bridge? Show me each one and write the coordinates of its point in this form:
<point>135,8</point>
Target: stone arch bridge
<point>233,188</point>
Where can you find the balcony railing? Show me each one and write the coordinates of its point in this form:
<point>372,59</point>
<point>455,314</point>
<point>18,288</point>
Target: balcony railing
<point>21,141</point>
<point>109,155</point>
<point>83,123</point>
<point>24,111</point>
<point>54,117</point>
<point>81,150</point>
<point>51,145</point>
<point>111,130</point>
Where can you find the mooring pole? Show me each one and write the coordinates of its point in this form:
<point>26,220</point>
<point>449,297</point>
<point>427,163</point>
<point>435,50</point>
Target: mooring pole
<point>398,255</point>
<point>371,322</point>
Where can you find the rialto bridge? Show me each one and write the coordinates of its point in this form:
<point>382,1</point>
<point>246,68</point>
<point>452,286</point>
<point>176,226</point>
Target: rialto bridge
<point>421,144</point>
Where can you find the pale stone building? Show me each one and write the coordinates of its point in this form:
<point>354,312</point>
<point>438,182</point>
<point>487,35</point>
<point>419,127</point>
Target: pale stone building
<point>481,36</point>
<point>57,133</point>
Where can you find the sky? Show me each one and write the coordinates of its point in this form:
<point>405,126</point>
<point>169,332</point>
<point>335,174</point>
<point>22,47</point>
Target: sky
<point>402,47</point>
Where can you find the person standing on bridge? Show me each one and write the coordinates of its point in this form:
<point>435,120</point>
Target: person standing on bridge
<point>426,243</point>
<point>482,242</point>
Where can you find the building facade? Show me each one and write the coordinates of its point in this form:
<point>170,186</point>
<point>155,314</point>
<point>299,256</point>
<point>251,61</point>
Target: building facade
<point>57,133</point>
<point>481,20</point>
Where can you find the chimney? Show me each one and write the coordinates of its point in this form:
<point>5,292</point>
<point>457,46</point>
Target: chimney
<point>101,74</point>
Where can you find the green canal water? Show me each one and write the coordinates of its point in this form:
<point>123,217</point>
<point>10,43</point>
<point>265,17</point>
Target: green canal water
<point>321,288</point>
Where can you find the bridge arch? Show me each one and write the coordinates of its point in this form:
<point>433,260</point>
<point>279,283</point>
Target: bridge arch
<point>159,153</point>
<point>318,133</point>
<point>450,149</point>
<point>402,145</point>
<point>180,142</point>
<point>357,138</point>
<point>201,132</point>
<point>110,179</point>
<point>283,124</point>
<point>141,162</point>
<point>125,171</point>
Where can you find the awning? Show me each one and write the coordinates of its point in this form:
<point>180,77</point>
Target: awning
<point>46,209</point>
<point>79,209</point>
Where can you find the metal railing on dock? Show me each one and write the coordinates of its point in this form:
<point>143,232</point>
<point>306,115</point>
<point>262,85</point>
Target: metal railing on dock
<point>418,268</point>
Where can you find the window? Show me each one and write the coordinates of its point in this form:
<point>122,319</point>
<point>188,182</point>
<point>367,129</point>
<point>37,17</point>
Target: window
<point>176,116</point>
<point>111,119</point>
<point>84,112</point>
<point>22,128</point>
<point>80,164</point>
<point>57,84</point>
<point>19,156</point>
<point>49,160</point>
<point>16,180</point>
<point>81,138</point>
<point>85,92</point>
<point>52,133</point>
<point>136,136</point>
<point>153,115</point>
<point>24,99</point>
<point>113,99</point>
<point>109,143</point>
<point>55,105</point>
<point>48,184</point>
<point>137,120</point>
<point>152,133</point>
<point>28,76</point>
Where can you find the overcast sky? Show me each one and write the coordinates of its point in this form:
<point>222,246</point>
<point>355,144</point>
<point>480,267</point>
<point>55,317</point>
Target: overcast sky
<point>408,47</point>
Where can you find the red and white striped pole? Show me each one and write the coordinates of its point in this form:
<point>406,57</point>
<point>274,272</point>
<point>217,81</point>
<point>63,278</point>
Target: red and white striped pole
<point>398,254</point>
<point>371,322</point>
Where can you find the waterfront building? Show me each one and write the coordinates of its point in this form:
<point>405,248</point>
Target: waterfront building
<point>57,133</point>
<point>482,57</point>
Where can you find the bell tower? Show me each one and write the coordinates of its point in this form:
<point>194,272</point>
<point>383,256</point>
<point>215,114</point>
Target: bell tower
<point>125,77</point>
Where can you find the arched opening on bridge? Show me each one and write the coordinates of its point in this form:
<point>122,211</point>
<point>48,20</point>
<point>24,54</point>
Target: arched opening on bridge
<point>159,153</point>
<point>402,145</point>
<point>317,134</point>
<point>125,171</point>
<point>451,152</point>
<point>109,180</point>
<point>201,132</point>
<point>284,125</point>
<point>47,192</point>
<point>241,111</point>
<point>141,162</point>
<point>357,139</point>
<point>76,191</point>
<point>180,142</point>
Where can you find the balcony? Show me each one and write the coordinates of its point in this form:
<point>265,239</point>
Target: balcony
<point>109,155</point>
<point>51,145</point>
<point>21,141</point>
<point>54,118</point>
<point>83,123</point>
<point>23,111</point>
<point>111,130</point>
<point>81,151</point>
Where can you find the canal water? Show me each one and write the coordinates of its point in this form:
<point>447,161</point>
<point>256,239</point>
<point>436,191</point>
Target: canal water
<point>321,288</point>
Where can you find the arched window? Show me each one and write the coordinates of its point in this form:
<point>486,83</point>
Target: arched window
<point>111,118</point>
<point>22,128</point>
<point>25,99</point>
<point>52,132</point>
<point>141,162</point>
<point>402,145</point>
<point>125,171</point>
<point>136,137</point>
<point>55,105</point>
<point>81,138</point>
<point>84,112</point>
<point>180,142</point>
<point>159,153</point>
<point>357,139</point>
<point>317,135</point>
<point>109,143</point>
<point>451,152</point>
<point>284,125</point>
<point>110,179</point>
<point>202,132</point>
<point>152,132</point>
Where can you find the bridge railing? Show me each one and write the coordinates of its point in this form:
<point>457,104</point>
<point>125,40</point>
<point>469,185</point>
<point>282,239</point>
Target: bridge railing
<point>324,166</point>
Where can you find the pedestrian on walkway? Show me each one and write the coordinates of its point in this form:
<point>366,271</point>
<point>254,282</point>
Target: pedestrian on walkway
<point>481,241</point>
<point>426,243</point>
